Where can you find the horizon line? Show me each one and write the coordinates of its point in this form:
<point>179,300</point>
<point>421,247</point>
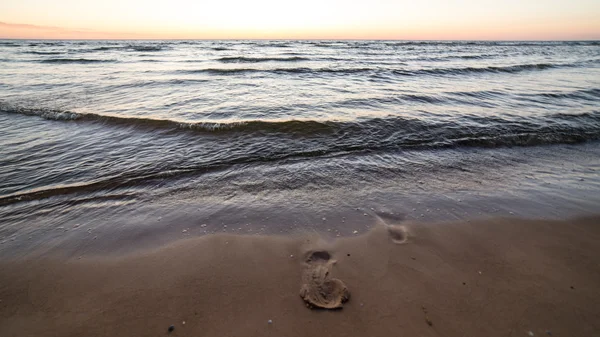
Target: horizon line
<point>299,39</point>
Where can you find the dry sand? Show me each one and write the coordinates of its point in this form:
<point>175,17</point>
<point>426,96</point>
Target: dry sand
<point>489,278</point>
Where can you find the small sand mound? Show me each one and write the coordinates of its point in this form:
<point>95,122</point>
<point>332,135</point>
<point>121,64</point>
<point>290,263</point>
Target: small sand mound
<point>319,290</point>
<point>398,234</point>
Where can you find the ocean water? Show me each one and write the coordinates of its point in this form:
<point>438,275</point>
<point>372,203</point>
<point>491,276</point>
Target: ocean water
<point>135,139</point>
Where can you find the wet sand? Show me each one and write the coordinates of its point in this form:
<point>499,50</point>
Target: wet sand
<point>501,277</point>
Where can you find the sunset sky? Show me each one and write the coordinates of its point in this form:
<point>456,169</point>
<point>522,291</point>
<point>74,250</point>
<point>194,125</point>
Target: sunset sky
<point>307,19</point>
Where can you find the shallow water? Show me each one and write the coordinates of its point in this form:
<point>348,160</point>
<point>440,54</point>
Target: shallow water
<point>121,133</point>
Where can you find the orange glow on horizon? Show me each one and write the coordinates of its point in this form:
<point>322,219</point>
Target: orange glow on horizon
<point>311,19</point>
<point>540,32</point>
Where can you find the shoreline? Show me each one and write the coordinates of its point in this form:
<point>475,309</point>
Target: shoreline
<point>493,277</point>
<point>552,182</point>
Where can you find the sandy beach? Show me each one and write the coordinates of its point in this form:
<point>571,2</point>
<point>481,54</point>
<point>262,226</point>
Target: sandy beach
<point>299,187</point>
<point>501,277</point>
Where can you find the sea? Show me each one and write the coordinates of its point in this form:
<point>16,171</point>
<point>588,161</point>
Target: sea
<point>110,145</point>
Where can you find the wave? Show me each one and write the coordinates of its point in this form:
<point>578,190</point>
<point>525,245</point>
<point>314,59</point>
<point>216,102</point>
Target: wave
<point>328,44</point>
<point>383,71</point>
<point>104,48</point>
<point>299,139</point>
<point>242,59</point>
<point>472,130</point>
<point>491,69</point>
<point>411,44</point>
<point>303,70</point>
<point>154,83</point>
<point>474,98</point>
<point>130,47</point>
<point>145,47</point>
<point>541,43</point>
<point>43,52</point>
<point>53,43</point>
<point>478,94</point>
<point>415,43</point>
<point>583,94</point>
<point>491,43</point>
<point>272,45</point>
<point>43,193</point>
<point>76,60</point>
<point>460,57</point>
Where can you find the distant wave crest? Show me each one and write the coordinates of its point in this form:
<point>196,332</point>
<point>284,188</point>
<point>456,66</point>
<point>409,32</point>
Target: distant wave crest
<point>35,52</point>
<point>241,59</point>
<point>490,69</point>
<point>75,60</point>
<point>146,47</point>
<point>130,47</point>
<point>378,71</point>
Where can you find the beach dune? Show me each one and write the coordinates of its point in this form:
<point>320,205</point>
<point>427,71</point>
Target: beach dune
<point>501,277</point>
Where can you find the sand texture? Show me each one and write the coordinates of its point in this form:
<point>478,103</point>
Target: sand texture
<point>500,277</point>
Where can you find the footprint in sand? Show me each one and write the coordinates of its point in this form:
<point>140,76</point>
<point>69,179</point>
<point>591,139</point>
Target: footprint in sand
<point>319,290</point>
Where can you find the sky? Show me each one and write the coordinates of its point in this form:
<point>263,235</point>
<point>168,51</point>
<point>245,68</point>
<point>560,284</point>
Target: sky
<point>306,19</point>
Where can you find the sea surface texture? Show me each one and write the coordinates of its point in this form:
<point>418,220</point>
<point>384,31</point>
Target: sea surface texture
<point>114,135</point>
